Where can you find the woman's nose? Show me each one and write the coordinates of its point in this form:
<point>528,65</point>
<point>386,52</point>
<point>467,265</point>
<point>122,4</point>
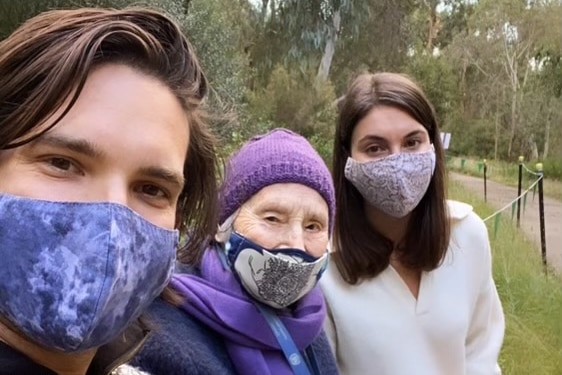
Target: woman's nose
<point>294,239</point>
<point>394,149</point>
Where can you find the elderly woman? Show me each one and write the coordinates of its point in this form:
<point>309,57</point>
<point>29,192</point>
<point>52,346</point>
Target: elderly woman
<point>251,305</point>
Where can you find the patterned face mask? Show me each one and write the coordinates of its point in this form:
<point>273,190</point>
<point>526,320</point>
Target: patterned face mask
<point>75,275</point>
<point>277,278</point>
<point>394,184</point>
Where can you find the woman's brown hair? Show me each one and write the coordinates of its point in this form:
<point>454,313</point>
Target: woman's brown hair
<point>362,252</point>
<point>46,61</point>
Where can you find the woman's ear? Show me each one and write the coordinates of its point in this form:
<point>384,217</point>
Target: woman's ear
<point>225,229</point>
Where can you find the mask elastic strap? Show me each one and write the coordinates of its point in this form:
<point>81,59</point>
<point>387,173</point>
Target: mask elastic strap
<point>222,257</point>
<point>290,351</point>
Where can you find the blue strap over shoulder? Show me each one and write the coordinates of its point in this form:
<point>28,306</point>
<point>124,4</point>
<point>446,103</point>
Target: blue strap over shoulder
<point>290,351</point>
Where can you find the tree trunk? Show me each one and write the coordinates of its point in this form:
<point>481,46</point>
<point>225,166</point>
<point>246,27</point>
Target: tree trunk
<point>432,27</point>
<point>513,121</point>
<point>533,147</point>
<point>263,12</point>
<point>185,5</point>
<point>547,134</point>
<point>497,125</point>
<point>462,88</point>
<point>330,48</point>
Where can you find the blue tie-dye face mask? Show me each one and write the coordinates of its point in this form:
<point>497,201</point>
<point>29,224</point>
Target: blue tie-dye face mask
<point>75,275</point>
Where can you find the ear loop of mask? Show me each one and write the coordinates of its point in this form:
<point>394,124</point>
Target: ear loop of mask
<point>222,237</point>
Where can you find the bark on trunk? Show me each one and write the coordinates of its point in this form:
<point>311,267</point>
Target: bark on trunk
<point>330,48</point>
<point>547,135</point>
<point>513,121</point>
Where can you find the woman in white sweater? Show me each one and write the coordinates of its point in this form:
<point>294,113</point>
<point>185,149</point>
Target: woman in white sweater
<point>410,288</point>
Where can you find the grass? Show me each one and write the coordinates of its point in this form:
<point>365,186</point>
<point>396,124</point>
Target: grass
<point>505,173</point>
<point>532,301</point>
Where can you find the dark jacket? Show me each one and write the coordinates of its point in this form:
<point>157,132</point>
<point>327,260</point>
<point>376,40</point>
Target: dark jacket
<point>106,361</point>
<point>181,345</point>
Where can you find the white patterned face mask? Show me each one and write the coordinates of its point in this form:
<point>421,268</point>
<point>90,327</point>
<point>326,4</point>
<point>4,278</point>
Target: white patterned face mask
<point>277,278</point>
<point>395,184</point>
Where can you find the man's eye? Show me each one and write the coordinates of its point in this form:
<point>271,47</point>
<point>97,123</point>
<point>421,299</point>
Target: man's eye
<point>60,163</point>
<point>272,219</point>
<point>153,191</point>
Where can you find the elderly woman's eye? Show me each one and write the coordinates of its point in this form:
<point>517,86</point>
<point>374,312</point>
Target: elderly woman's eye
<point>313,227</point>
<point>272,219</point>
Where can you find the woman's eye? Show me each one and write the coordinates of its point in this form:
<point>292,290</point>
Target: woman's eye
<point>413,143</point>
<point>272,219</point>
<point>313,227</point>
<point>373,149</point>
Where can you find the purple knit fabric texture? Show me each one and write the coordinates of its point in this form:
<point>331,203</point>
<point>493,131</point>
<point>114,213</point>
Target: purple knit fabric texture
<point>280,156</point>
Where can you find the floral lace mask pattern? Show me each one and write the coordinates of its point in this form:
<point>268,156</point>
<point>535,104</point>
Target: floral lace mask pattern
<point>395,184</point>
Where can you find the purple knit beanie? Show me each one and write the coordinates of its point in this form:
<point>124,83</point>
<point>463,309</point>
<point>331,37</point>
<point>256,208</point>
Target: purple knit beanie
<point>280,156</point>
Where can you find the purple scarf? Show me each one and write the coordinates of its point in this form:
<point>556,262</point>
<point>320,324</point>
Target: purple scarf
<point>218,300</point>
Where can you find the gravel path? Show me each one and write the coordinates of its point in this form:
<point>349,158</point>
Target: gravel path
<point>499,195</point>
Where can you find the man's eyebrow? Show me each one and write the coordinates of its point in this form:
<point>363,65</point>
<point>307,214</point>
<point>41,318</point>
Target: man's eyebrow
<point>164,174</point>
<point>78,145</point>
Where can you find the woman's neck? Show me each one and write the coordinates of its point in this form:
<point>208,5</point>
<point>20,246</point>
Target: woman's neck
<point>392,228</point>
<point>57,361</point>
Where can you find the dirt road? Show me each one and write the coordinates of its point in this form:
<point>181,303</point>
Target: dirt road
<point>499,195</point>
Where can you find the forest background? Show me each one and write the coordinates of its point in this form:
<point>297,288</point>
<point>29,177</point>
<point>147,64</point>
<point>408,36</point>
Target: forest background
<point>492,68</point>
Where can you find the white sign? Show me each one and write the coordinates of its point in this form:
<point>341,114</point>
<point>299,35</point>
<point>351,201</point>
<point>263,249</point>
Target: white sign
<point>446,140</point>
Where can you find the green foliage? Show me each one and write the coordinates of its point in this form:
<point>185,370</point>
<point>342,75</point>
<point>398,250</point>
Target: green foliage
<point>296,101</point>
<point>531,301</point>
<point>292,33</point>
<point>436,76</point>
<point>498,93</point>
<point>454,20</point>
<point>506,60</point>
<point>471,136</point>
<point>13,13</point>
<point>377,41</point>
<point>325,147</point>
<point>216,30</point>
<point>552,168</point>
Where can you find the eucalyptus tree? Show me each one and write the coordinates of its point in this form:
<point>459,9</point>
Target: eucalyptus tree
<point>496,60</point>
<point>335,38</point>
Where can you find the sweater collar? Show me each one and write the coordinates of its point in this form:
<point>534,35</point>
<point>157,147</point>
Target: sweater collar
<point>458,210</point>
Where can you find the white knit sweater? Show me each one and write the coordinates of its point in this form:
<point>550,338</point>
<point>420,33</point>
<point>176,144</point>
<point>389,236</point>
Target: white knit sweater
<point>455,327</point>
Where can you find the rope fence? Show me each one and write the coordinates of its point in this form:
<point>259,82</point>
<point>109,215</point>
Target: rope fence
<point>530,171</point>
<point>510,204</point>
<point>515,204</point>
